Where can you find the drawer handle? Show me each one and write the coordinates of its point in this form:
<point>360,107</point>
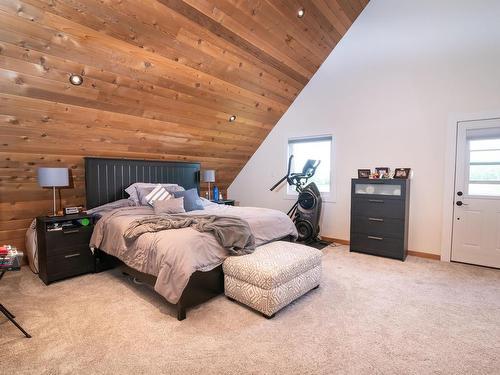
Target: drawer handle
<point>375,238</point>
<point>70,231</point>
<point>72,255</point>
<point>376,200</point>
<point>375,219</point>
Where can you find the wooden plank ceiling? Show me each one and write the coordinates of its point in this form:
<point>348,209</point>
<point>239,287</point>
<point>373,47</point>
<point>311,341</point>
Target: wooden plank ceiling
<point>161,79</point>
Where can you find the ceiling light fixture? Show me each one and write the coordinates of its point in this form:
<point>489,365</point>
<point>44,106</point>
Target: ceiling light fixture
<point>301,12</point>
<point>232,118</point>
<point>76,79</point>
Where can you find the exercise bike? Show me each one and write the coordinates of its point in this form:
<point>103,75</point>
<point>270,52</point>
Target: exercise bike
<point>305,213</point>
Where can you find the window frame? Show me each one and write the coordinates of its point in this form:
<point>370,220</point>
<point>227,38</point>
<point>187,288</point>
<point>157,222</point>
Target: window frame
<point>326,196</point>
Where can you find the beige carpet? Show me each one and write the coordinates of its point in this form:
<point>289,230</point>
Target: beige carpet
<point>370,316</point>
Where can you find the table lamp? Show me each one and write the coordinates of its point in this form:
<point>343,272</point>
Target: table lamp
<point>53,177</point>
<point>209,176</point>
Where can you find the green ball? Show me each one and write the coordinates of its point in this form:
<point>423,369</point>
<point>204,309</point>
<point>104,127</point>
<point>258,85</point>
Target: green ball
<point>85,222</point>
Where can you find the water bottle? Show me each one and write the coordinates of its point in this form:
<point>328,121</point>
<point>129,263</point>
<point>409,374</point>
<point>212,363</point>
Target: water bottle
<point>216,193</point>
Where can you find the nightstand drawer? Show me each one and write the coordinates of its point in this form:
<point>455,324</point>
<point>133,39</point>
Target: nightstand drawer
<point>71,263</point>
<point>64,239</point>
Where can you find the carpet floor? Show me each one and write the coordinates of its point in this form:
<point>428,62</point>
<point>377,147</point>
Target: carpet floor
<point>370,315</point>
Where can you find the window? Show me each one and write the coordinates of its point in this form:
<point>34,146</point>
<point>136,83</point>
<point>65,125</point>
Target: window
<point>318,148</point>
<point>484,166</point>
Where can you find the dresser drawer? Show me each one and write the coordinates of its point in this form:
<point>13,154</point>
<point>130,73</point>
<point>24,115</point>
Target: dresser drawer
<point>378,245</point>
<point>378,226</point>
<point>58,240</point>
<point>378,208</point>
<point>65,264</point>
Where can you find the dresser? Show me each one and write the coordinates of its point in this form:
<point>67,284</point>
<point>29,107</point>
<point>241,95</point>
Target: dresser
<point>379,217</point>
<point>63,246</point>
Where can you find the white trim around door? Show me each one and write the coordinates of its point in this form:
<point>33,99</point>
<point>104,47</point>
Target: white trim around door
<point>449,175</point>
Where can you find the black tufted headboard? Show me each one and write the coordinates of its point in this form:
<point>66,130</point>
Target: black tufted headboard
<point>106,179</point>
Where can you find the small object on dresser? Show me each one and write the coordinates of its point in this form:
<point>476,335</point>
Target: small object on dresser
<point>364,173</point>
<point>403,173</point>
<point>383,172</point>
<point>63,246</point>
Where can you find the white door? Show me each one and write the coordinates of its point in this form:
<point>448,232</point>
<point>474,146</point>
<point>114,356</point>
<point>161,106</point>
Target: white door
<point>476,225</point>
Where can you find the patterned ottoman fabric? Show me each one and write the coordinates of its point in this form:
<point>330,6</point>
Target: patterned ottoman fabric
<point>273,276</point>
<point>273,264</point>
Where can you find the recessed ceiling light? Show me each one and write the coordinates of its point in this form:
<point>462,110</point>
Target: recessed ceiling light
<point>301,12</point>
<point>76,79</point>
<point>232,118</point>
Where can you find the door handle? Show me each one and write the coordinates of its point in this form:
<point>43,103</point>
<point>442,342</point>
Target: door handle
<point>375,219</point>
<point>375,238</point>
<point>376,200</point>
<point>460,203</point>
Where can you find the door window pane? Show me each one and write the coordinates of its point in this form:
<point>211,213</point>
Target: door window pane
<point>484,172</point>
<point>484,144</point>
<point>485,156</point>
<point>484,189</point>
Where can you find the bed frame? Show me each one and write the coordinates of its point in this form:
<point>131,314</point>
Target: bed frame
<point>106,181</point>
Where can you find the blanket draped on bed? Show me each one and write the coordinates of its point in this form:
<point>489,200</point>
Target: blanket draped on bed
<point>231,232</point>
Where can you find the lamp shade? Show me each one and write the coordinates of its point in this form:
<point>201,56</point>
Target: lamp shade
<point>209,175</point>
<point>50,177</point>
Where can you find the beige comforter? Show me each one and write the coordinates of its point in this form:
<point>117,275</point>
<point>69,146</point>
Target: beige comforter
<point>174,255</point>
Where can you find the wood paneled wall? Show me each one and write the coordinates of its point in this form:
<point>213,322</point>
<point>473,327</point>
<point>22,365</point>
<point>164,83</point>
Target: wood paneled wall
<point>161,79</point>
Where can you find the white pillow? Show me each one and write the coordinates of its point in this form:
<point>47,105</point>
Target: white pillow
<point>159,193</point>
<point>133,193</point>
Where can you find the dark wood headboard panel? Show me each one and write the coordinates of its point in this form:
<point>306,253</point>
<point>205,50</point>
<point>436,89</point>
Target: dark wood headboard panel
<point>106,179</point>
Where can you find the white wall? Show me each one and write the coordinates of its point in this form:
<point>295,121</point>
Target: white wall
<point>385,93</point>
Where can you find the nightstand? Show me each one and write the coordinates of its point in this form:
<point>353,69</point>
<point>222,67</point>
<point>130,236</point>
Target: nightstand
<point>227,202</point>
<point>63,246</point>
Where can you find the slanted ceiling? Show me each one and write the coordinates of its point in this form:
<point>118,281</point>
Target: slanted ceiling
<point>161,79</point>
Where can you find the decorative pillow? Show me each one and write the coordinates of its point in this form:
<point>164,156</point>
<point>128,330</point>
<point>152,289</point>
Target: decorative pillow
<point>192,200</point>
<point>169,206</point>
<point>149,195</point>
<point>133,193</point>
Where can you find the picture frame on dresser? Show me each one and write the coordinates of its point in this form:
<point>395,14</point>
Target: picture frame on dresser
<point>364,173</point>
<point>402,173</point>
<point>380,217</point>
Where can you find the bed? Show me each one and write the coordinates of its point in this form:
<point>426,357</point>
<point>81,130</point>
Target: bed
<point>183,265</point>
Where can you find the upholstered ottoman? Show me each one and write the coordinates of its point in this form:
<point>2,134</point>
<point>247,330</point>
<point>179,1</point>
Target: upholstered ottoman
<point>272,276</point>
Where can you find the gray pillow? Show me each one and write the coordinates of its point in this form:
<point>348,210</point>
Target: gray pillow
<point>192,200</point>
<point>169,206</point>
